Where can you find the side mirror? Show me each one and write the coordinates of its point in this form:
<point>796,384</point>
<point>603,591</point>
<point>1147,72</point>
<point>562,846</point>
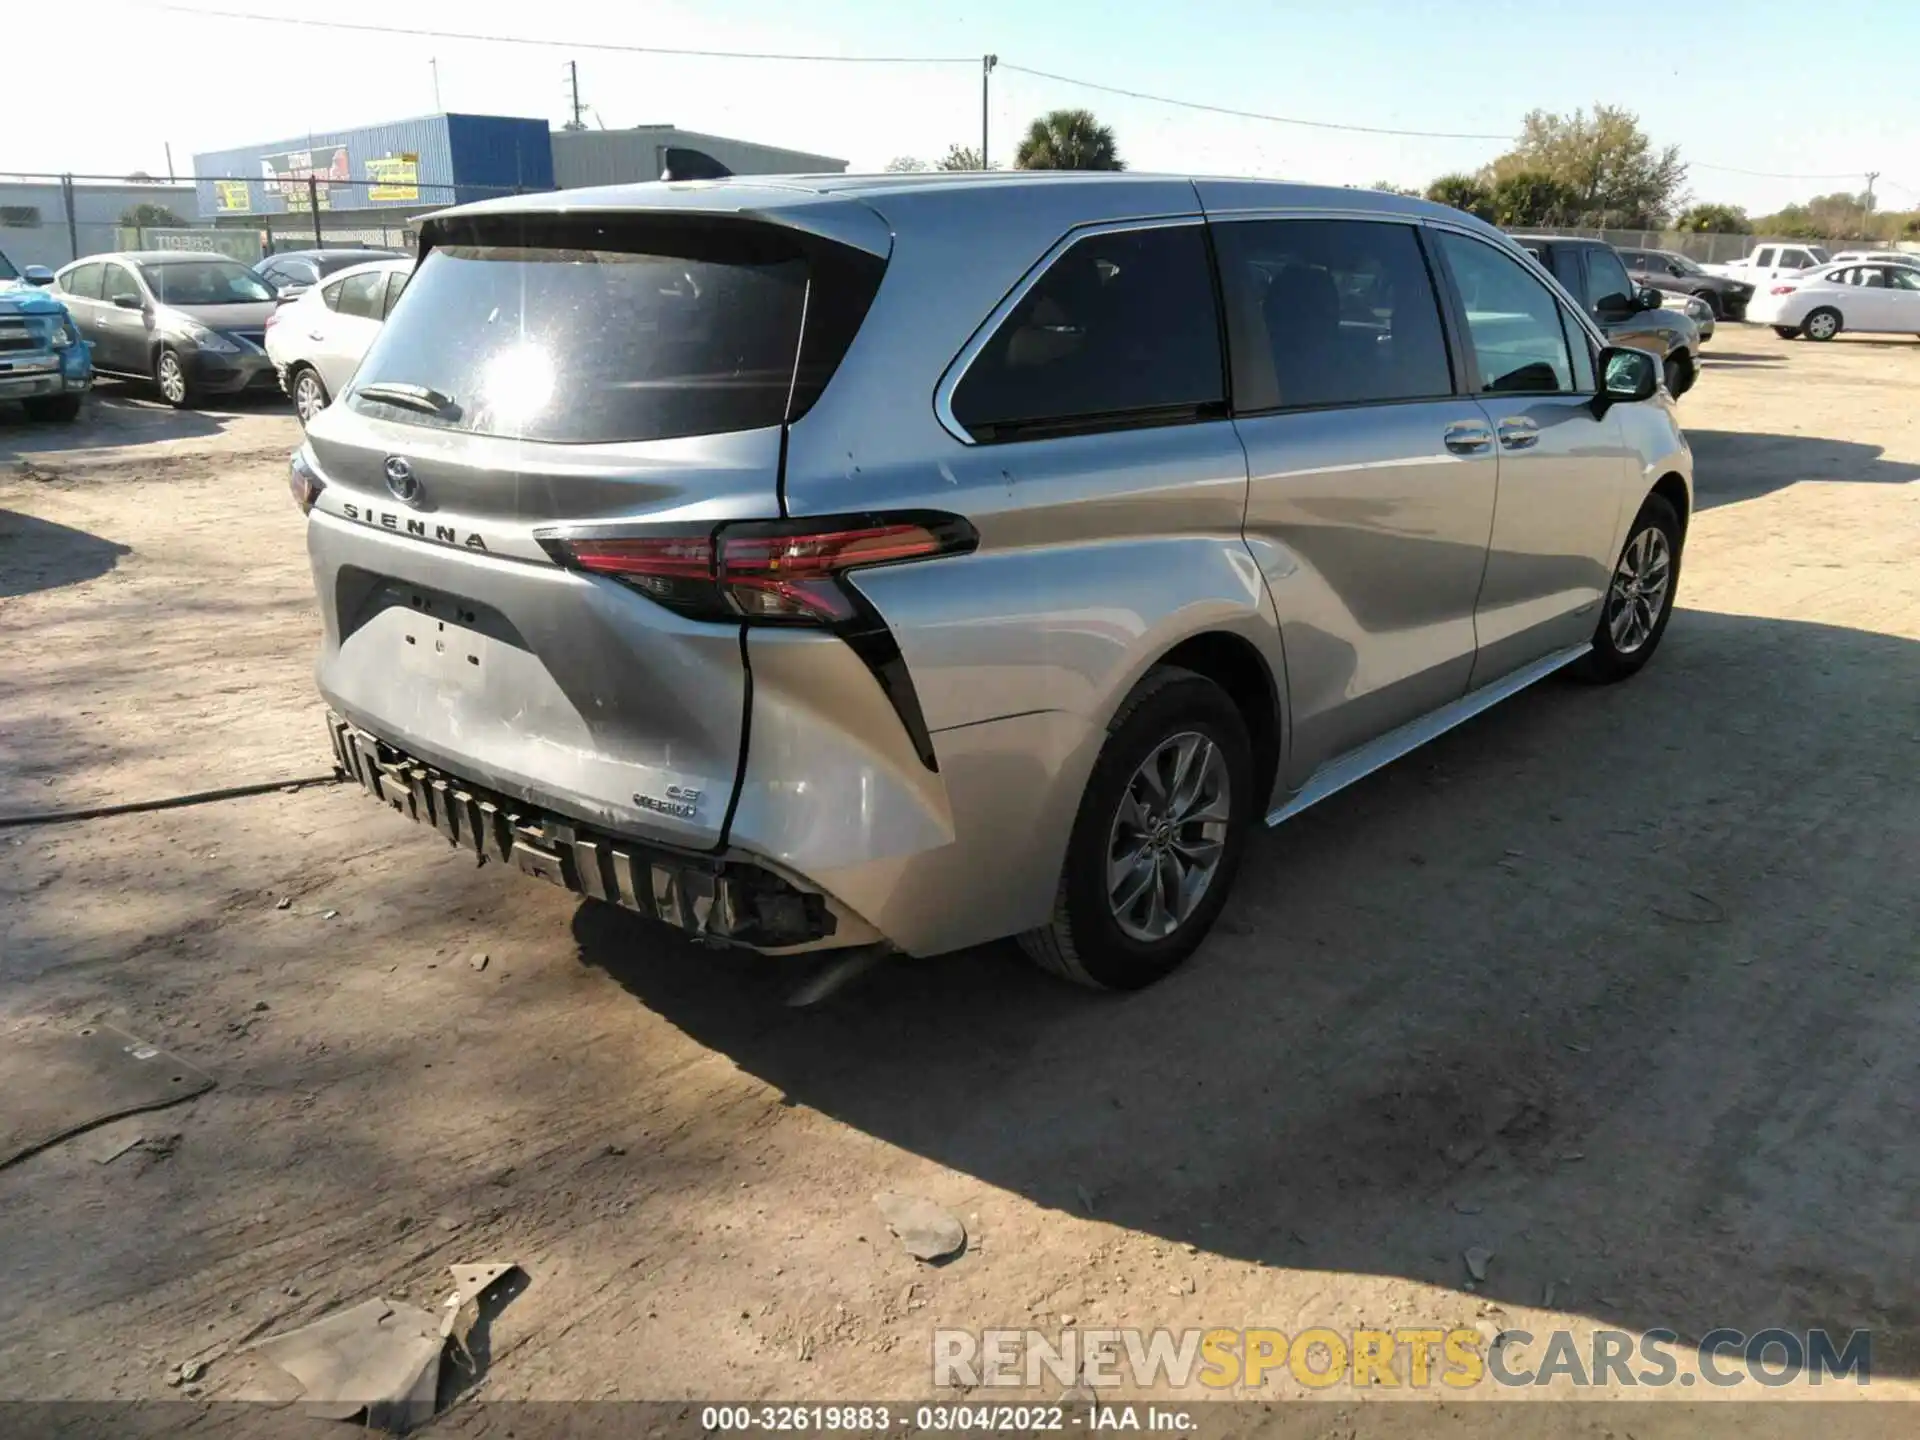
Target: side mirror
<point>129,302</point>
<point>1627,375</point>
<point>1647,298</point>
<point>37,275</point>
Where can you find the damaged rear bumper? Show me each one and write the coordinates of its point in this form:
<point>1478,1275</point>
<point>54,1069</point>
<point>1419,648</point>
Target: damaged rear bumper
<point>712,898</point>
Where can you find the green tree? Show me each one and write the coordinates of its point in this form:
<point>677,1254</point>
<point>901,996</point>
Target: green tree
<point>147,214</point>
<point>1714,220</point>
<point>905,165</point>
<point>1839,216</point>
<point>959,157</point>
<point>1911,227</point>
<point>1462,192</point>
<point>1527,197</point>
<point>1068,140</point>
<point>1387,187</point>
<point>1611,170</point>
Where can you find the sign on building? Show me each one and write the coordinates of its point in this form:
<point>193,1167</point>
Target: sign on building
<point>286,175</point>
<point>241,245</point>
<point>232,195</point>
<point>393,178</point>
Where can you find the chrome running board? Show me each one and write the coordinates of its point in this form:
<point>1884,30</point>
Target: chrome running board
<point>1363,760</point>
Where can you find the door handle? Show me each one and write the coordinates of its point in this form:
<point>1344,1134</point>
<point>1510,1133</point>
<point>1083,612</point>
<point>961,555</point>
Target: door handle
<point>1519,433</point>
<point>1464,437</point>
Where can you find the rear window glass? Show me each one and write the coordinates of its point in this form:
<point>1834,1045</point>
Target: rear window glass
<point>628,333</point>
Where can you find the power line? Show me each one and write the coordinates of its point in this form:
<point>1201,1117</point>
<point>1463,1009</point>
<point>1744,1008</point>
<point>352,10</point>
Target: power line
<point>424,33</point>
<point>1249,114</point>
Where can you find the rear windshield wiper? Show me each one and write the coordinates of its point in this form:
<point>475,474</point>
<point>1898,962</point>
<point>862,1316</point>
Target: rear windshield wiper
<point>423,398</point>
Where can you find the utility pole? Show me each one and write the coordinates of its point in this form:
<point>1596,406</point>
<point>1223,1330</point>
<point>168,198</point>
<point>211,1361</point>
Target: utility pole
<point>987,62</point>
<point>1866,213</point>
<point>433,61</point>
<point>573,80</point>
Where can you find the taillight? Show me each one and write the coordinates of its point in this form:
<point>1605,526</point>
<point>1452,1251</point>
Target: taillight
<point>1783,289</point>
<point>777,571</point>
<point>304,481</point>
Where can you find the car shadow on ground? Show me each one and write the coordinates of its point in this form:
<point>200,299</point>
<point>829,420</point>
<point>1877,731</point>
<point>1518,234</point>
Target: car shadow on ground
<point>37,554</point>
<point>1731,465</point>
<point>1715,358</point>
<point>1573,984</point>
<point>126,413</point>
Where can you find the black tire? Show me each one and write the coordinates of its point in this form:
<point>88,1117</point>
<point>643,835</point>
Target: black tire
<point>1680,373</point>
<point>1816,321</point>
<point>56,408</point>
<point>1084,942</point>
<point>167,365</point>
<point>306,375</point>
<point>1711,298</point>
<point>1608,661</point>
<point>1787,332</point>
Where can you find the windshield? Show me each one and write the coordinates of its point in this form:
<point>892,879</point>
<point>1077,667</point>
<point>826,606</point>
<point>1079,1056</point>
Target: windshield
<point>7,272</point>
<point>588,345</point>
<point>205,282</point>
<point>1686,265</point>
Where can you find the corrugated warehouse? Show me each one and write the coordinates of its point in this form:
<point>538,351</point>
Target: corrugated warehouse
<point>408,165</point>
<point>620,157</point>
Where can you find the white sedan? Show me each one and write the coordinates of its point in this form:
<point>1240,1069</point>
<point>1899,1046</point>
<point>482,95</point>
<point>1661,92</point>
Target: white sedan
<point>316,341</point>
<point>1820,303</point>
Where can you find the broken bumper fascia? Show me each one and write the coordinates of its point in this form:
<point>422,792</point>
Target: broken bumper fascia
<point>711,898</point>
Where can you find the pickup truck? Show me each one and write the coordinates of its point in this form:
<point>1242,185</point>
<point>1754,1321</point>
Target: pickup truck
<point>1590,271</point>
<point>1765,262</point>
<point>44,364</point>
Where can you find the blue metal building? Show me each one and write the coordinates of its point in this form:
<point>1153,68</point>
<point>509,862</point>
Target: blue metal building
<point>409,165</point>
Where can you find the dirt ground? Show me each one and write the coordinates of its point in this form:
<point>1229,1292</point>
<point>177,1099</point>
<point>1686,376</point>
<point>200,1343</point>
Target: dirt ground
<point>1618,984</point>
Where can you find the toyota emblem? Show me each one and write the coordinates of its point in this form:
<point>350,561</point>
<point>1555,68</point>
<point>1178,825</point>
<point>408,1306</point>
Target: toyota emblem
<point>401,479</point>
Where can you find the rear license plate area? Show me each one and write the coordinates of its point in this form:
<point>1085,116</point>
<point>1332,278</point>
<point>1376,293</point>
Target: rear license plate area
<point>436,636</point>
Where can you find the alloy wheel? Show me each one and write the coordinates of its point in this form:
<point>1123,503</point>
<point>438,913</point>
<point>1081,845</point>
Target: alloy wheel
<point>1168,836</point>
<point>307,399</point>
<point>173,380</point>
<point>1823,327</point>
<point>1639,589</point>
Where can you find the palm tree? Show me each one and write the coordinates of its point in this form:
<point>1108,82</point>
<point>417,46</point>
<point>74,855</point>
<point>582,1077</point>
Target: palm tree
<point>1068,140</point>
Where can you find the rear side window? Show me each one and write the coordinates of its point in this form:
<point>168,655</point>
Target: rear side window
<point>1121,331</point>
<point>590,330</point>
<point>396,282</point>
<point>1513,321</point>
<point>84,281</point>
<point>331,294</point>
<point>364,295</point>
<point>1329,312</point>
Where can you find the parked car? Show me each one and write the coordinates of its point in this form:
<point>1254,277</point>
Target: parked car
<point>1629,314</point>
<point>44,362</point>
<point>292,272</point>
<point>1668,271</point>
<point>1873,299</point>
<point>1768,262</point>
<point>1695,309</point>
<point>1879,257</point>
<point>666,553</point>
<point>316,340</point>
<point>190,322</point>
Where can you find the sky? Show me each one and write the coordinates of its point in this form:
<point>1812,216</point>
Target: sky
<point>1730,81</point>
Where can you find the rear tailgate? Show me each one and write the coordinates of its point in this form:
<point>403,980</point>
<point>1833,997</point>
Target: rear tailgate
<point>543,372</point>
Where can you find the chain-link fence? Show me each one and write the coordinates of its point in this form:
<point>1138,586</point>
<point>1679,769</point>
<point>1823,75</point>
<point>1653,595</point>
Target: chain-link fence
<point>1713,249</point>
<point>50,218</point>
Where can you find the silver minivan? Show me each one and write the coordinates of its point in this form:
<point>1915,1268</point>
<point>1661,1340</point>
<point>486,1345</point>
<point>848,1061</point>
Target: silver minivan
<point>914,561</point>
